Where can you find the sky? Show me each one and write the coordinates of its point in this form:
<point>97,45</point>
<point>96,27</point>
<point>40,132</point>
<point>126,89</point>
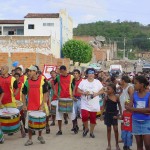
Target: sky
<point>81,11</point>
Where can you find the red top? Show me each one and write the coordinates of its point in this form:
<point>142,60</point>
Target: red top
<point>34,94</point>
<point>19,94</point>
<point>65,86</point>
<point>23,78</point>
<point>127,121</point>
<point>77,82</point>
<point>7,87</point>
<point>54,97</point>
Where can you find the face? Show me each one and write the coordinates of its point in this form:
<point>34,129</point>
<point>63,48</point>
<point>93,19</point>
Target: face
<point>17,77</point>
<point>122,82</point>
<point>109,90</point>
<point>31,73</point>
<point>76,75</point>
<point>137,85</point>
<point>63,72</point>
<point>4,70</point>
<point>18,71</point>
<point>53,74</point>
<point>91,76</point>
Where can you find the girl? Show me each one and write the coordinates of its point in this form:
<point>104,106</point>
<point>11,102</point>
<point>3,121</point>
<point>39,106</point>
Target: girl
<point>110,106</point>
<point>140,106</point>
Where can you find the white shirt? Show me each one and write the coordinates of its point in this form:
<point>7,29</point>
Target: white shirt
<point>93,87</point>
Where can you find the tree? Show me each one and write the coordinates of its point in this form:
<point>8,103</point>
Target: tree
<point>77,51</point>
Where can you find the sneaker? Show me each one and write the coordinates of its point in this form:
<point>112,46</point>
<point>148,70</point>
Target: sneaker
<point>85,132</point>
<point>124,147</point>
<point>41,139</point>
<point>72,129</point>
<point>2,141</point>
<point>75,130</point>
<point>52,124</point>
<point>92,135</point>
<point>59,133</point>
<point>29,142</point>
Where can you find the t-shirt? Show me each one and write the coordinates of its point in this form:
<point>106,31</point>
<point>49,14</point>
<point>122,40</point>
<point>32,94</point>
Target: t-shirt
<point>127,121</point>
<point>35,90</point>
<point>76,84</point>
<point>65,86</point>
<point>88,103</point>
<point>8,84</point>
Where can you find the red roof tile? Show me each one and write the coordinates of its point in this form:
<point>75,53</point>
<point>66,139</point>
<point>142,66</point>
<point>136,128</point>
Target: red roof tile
<point>11,21</point>
<point>39,15</point>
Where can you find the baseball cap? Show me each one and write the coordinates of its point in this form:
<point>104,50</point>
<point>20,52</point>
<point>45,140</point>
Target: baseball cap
<point>32,68</point>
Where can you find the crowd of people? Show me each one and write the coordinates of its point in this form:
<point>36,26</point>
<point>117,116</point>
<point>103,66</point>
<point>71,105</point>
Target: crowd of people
<point>120,99</point>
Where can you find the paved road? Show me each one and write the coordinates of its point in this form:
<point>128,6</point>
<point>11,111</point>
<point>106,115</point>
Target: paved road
<point>68,141</point>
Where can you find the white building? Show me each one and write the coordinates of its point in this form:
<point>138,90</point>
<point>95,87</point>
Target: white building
<point>58,26</point>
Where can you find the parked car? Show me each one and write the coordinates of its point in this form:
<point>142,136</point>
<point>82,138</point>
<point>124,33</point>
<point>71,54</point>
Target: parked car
<point>115,70</point>
<point>146,68</point>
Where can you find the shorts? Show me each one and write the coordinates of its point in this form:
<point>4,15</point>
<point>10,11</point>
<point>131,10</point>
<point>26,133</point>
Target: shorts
<point>127,138</point>
<point>59,115</point>
<point>109,120</point>
<point>140,127</point>
<point>77,107</point>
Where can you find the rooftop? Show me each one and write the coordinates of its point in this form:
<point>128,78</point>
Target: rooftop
<point>42,15</point>
<point>11,21</point>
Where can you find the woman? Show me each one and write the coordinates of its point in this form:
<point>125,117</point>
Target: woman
<point>140,107</point>
<point>90,89</point>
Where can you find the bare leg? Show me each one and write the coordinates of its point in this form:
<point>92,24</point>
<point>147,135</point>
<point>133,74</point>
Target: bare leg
<point>109,136</point>
<point>92,126</point>
<point>139,142</point>
<point>59,124</point>
<point>146,139</point>
<point>116,136</point>
<point>30,134</point>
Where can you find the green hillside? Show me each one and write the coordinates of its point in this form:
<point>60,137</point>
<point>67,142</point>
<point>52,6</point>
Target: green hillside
<point>137,35</point>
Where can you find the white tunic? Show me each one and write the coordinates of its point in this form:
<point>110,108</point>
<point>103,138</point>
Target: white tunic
<point>93,87</point>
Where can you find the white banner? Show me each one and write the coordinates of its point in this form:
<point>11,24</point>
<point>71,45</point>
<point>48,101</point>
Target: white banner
<point>47,69</point>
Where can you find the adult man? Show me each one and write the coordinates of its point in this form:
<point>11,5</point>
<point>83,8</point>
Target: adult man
<point>64,81</point>
<point>36,89</point>
<point>77,98</point>
<point>8,83</point>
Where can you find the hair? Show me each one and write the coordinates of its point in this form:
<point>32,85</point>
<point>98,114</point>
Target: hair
<point>17,74</point>
<point>76,70</point>
<point>142,79</point>
<point>113,86</point>
<point>37,67</point>
<point>19,68</point>
<point>52,71</point>
<point>126,79</point>
<point>100,79</point>
<point>62,67</point>
<point>92,69</point>
<point>113,79</point>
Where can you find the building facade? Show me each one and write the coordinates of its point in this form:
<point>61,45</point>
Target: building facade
<point>57,26</point>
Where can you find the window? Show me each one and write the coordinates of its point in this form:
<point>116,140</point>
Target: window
<point>11,33</point>
<point>30,26</point>
<point>48,24</point>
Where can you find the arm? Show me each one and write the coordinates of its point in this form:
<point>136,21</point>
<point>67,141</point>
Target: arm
<point>24,93</point>
<point>119,105</point>
<point>130,91</point>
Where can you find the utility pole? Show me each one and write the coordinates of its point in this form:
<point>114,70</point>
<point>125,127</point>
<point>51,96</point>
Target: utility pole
<point>124,51</point>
